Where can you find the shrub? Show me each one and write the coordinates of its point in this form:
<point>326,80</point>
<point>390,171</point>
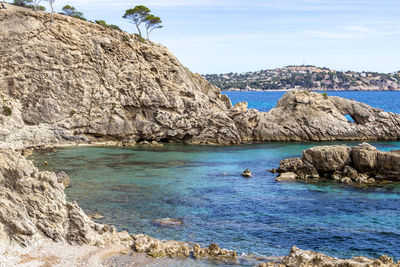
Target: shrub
<point>72,113</point>
<point>111,26</point>
<point>7,111</point>
<point>325,95</point>
<point>140,38</point>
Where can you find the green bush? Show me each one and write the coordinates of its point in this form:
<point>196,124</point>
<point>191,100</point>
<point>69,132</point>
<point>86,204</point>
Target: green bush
<point>7,111</point>
<point>72,113</point>
<point>325,95</point>
<point>111,26</point>
<point>140,38</point>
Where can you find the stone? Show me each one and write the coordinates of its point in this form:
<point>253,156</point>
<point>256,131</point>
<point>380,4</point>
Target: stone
<point>362,164</point>
<point>307,258</point>
<point>241,106</point>
<point>95,216</point>
<point>168,222</point>
<point>158,248</point>
<point>246,173</point>
<point>34,208</point>
<point>63,178</point>
<point>286,176</point>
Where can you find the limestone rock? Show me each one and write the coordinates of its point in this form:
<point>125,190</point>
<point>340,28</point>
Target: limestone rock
<point>241,106</point>
<point>213,252</point>
<point>286,176</point>
<point>63,178</point>
<point>158,248</point>
<point>362,164</point>
<point>72,81</point>
<point>306,258</point>
<point>33,208</point>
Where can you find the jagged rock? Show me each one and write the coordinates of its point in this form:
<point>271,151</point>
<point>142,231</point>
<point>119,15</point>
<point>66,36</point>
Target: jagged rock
<point>33,208</point>
<point>241,106</point>
<point>362,164</point>
<point>213,252</point>
<point>63,178</point>
<point>307,258</point>
<point>286,176</point>
<point>157,248</point>
<point>246,173</point>
<point>64,87</point>
<point>303,169</point>
<point>168,222</point>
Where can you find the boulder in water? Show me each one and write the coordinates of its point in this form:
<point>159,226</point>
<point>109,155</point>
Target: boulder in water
<point>246,173</point>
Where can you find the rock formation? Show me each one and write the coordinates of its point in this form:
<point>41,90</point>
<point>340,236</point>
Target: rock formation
<point>33,208</point>
<point>73,81</point>
<point>157,248</point>
<point>307,258</point>
<point>362,164</point>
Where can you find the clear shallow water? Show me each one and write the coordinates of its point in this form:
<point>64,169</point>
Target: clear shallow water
<point>202,186</point>
<point>264,101</point>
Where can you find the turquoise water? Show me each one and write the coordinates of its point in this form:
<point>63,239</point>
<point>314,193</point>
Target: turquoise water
<point>202,186</point>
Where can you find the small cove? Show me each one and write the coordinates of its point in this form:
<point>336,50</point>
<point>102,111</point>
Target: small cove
<point>202,186</point>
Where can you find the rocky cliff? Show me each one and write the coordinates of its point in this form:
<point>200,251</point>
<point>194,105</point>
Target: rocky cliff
<point>362,164</point>
<point>75,81</point>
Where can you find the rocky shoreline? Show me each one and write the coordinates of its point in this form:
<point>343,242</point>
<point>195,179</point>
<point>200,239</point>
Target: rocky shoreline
<point>357,165</point>
<point>70,82</point>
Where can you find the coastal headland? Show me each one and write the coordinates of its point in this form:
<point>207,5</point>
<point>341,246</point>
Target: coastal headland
<point>71,82</point>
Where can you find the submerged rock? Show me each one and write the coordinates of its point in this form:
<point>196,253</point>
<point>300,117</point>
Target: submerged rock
<point>246,173</point>
<point>95,216</point>
<point>168,222</point>
<point>362,164</point>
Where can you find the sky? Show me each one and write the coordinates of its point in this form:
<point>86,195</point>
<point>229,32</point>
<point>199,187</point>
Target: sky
<point>222,36</point>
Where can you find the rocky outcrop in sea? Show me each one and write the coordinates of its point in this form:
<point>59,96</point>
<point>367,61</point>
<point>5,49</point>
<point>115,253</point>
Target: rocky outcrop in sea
<point>362,164</point>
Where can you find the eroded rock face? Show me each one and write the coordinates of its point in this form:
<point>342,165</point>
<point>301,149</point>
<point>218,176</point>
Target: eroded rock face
<point>362,164</point>
<point>33,208</point>
<point>75,81</point>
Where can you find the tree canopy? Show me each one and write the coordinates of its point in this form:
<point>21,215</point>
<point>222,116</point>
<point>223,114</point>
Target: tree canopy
<point>152,22</point>
<point>72,12</point>
<point>141,14</point>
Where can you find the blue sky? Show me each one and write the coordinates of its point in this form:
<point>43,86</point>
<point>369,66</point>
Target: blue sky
<point>223,36</point>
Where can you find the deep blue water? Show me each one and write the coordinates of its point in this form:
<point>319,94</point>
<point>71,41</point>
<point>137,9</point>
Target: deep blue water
<point>202,186</point>
<point>264,101</point>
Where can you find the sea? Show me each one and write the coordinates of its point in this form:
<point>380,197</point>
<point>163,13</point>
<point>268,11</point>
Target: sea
<point>202,186</point>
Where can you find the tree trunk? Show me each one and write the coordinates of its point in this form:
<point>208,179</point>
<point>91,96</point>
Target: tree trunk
<point>140,33</point>
<point>52,10</point>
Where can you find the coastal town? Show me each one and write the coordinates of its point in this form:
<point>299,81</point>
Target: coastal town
<point>306,77</point>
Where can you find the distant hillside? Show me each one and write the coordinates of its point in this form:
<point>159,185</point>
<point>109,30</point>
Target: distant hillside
<point>306,77</point>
